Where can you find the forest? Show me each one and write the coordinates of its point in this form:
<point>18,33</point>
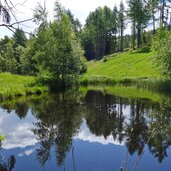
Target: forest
<point>57,51</point>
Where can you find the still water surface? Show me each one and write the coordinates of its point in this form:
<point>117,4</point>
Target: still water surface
<point>85,132</point>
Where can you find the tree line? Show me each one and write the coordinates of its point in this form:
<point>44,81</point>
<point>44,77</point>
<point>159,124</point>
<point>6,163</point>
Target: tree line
<point>104,31</point>
<point>56,49</point>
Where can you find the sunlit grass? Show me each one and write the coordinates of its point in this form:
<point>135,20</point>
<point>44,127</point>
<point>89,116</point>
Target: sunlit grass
<point>16,85</point>
<point>127,66</point>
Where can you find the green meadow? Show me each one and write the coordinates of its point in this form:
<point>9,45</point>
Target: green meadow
<point>122,67</point>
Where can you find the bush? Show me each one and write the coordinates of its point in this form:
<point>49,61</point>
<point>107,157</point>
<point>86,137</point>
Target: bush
<point>126,81</point>
<point>145,49</point>
<point>162,49</point>
<point>105,59</point>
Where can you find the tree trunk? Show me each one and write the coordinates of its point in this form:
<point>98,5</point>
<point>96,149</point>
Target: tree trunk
<point>133,36</point>
<point>97,49</point>
<point>121,48</point>
<point>104,45</point>
<point>162,13</point>
<point>139,37</point>
<point>154,24</point>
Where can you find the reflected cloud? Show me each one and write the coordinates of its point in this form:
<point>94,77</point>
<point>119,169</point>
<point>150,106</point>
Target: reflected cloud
<point>85,135</point>
<point>17,132</point>
<point>27,152</point>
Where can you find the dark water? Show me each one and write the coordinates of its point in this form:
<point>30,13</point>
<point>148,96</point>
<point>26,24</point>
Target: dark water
<point>92,132</point>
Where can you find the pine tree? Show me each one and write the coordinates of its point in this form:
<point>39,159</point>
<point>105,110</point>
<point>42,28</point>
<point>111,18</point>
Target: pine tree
<point>139,15</point>
<point>121,18</point>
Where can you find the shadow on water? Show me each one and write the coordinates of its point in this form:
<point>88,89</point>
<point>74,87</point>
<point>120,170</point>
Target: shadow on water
<point>128,121</point>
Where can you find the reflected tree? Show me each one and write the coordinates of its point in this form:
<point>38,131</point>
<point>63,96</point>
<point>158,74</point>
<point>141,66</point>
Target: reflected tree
<point>7,163</point>
<point>161,127</point>
<point>21,109</point>
<point>59,118</point>
<point>104,115</point>
<point>19,105</point>
<point>137,130</point>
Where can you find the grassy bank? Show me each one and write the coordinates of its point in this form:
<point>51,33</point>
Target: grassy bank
<point>15,85</point>
<point>125,67</point>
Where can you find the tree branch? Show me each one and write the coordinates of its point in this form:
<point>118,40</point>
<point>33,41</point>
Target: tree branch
<point>7,10</point>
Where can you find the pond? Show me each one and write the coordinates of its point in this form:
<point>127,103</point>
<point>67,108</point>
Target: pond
<point>89,131</point>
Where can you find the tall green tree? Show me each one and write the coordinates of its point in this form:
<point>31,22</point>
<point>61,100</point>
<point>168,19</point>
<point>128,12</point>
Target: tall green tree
<point>97,32</point>
<point>20,42</point>
<point>29,63</point>
<point>121,21</point>
<point>19,38</point>
<point>59,52</point>
<point>115,29</point>
<point>133,28</point>
<point>8,62</point>
<point>75,23</point>
<point>139,14</point>
<point>153,9</point>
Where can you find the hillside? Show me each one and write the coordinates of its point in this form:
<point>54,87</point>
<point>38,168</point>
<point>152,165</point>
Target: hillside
<point>124,66</point>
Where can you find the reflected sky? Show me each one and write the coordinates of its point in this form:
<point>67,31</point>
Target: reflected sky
<point>85,135</point>
<point>102,134</point>
<point>17,132</point>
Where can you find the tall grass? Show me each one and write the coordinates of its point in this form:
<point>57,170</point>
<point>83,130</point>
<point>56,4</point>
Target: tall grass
<point>16,85</point>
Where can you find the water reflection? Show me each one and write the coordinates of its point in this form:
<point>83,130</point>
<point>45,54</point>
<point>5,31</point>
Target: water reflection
<point>58,120</point>
<point>6,163</point>
<point>161,125</point>
<point>106,116</point>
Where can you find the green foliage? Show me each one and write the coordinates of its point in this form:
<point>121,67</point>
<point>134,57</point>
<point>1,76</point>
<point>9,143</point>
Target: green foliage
<point>139,14</point>
<point>7,56</point>
<point>29,64</point>
<point>97,33</point>
<point>11,50</point>
<point>75,23</point>
<point>162,49</point>
<point>19,38</point>
<point>59,53</point>
<point>144,49</point>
